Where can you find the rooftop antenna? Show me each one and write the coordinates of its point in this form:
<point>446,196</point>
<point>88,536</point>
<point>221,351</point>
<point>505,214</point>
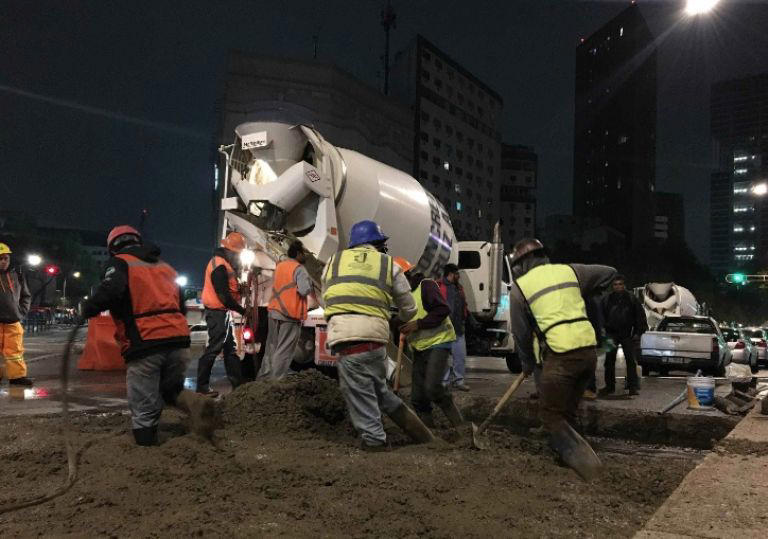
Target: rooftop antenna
<point>388,21</point>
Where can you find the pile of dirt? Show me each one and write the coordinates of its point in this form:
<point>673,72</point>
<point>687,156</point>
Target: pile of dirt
<point>305,405</point>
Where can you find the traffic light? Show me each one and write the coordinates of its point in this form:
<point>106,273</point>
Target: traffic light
<point>736,278</point>
<point>52,270</point>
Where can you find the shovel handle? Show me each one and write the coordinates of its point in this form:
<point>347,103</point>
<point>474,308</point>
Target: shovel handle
<point>502,402</point>
<point>400,346</point>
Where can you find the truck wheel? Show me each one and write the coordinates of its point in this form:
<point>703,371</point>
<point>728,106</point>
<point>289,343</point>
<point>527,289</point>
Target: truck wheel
<point>646,371</point>
<point>513,363</point>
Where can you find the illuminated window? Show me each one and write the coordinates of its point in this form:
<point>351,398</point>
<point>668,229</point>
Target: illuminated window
<point>740,171</point>
<point>739,158</point>
<point>458,206</point>
<point>457,188</point>
<point>621,32</point>
<point>738,228</point>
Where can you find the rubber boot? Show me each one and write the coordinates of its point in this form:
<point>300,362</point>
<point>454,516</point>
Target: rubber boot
<point>427,419</point>
<point>145,436</point>
<point>201,411</point>
<point>23,381</point>
<point>575,451</point>
<point>452,412</point>
<point>409,422</point>
<point>233,370</point>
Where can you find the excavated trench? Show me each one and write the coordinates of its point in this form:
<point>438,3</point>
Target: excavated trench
<point>286,462</point>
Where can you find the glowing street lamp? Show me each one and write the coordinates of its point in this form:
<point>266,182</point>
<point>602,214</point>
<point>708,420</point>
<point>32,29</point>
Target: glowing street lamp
<point>182,280</point>
<point>699,7</point>
<point>76,275</point>
<point>34,260</point>
<point>247,256</point>
<point>760,189</point>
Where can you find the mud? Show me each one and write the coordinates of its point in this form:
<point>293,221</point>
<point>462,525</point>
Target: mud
<point>742,447</point>
<point>286,463</point>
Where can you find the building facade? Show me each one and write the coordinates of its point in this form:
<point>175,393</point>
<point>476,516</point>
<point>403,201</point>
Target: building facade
<point>615,126</point>
<point>739,185</point>
<point>457,143</point>
<point>347,112</point>
<point>517,200</point>
<point>669,217</point>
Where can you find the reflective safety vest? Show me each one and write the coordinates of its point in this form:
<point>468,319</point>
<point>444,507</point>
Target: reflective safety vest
<point>427,338</point>
<point>553,294</point>
<point>210,297</point>
<point>285,293</point>
<point>358,281</point>
<point>155,316</point>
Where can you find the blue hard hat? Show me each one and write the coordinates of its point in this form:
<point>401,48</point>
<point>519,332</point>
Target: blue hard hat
<point>365,232</point>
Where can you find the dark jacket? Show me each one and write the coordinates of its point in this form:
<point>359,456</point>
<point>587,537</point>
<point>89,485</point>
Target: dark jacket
<point>433,302</point>
<point>113,294</point>
<point>14,296</point>
<point>624,316</point>
<point>453,293</point>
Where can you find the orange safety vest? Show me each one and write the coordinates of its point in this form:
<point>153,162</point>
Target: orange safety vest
<point>155,317</point>
<point>285,294</point>
<point>210,297</point>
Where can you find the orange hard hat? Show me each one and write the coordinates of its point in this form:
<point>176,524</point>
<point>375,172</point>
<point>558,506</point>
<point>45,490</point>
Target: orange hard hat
<point>121,230</point>
<point>403,263</point>
<point>234,242</point>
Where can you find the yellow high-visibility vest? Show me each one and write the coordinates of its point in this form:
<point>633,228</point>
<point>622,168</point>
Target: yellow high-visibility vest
<point>358,281</point>
<point>427,338</point>
<point>552,291</point>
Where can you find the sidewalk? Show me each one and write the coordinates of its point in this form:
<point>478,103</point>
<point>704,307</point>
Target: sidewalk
<point>726,495</point>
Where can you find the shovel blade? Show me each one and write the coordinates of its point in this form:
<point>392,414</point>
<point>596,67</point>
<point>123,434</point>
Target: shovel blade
<point>575,452</point>
<point>479,439</point>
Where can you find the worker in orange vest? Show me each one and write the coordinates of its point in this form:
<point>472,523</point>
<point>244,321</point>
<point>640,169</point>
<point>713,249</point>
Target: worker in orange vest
<point>147,305</point>
<point>221,296</point>
<point>287,309</point>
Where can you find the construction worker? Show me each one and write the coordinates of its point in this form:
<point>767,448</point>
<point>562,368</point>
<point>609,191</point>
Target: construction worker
<point>141,293</point>
<point>221,297</point>
<point>14,305</point>
<point>551,328</point>
<point>453,294</point>
<point>359,286</point>
<point>431,336</point>
<point>287,310</point>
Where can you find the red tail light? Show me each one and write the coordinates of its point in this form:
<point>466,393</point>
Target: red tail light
<point>716,346</point>
<point>761,343</point>
<point>247,334</point>
<point>739,345</point>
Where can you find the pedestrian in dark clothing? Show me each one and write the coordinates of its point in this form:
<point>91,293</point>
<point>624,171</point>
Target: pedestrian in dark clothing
<point>453,294</point>
<point>625,322</point>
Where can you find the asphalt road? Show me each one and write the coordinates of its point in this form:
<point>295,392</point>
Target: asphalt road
<point>91,390</point>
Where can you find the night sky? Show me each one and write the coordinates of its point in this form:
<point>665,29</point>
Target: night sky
<point>107,107</point>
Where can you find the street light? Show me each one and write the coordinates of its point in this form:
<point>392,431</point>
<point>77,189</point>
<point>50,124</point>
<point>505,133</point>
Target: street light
<point>34,260</point>
<point>76,275</point>
<point>760,189</point>
<point>700,7</point>
<point>182,280</point>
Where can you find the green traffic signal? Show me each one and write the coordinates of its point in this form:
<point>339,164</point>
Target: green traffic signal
<point>736,278</point>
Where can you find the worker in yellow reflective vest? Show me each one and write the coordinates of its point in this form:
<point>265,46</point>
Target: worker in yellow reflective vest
<point>359,286</point>
<point>430,335</point>
<point>551,328</point>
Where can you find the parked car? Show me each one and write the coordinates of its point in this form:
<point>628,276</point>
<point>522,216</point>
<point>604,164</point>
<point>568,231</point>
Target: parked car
<point>198,334</point>
<point>684,343</point>
<point>743,349</point>
<point>758,337</point>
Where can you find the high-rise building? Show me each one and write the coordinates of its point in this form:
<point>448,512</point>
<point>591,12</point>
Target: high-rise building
<point>615,129</point>
<point>669,217</point>
<point>457,147</point>
<point>346,111</point>
<point>739,188</point>
<point>517,201</point>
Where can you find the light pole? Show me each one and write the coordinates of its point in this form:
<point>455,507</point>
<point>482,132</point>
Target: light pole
<point>76,275</point>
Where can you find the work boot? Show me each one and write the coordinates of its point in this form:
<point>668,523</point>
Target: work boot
<point>575,451</point>
<point>207,392</point>
<point>379,448</point>
<point>589,395</point>
<point>427,419</point>
<point>201,411</point>
<point>409,422</point>
<point>633,391</point>
<point>606,392</point>
<point>452,412</point>
<point>145,436</point>
<point>23,381</point>
<point>461,386</point>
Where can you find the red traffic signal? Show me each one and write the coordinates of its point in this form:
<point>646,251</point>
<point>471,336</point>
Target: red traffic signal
<point>52,270</point>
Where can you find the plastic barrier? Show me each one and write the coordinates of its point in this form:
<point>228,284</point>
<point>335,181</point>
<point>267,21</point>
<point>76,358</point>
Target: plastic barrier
<point>102,352</point>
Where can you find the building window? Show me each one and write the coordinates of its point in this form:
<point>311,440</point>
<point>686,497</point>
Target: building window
<point>436,179</point>
<point>621,32</point>
<point>425,116</point>
<point>424,155</point>
<point>423,175</point>
<point>459,155</point>
<point>457,188</point>
<point>425,74</point>
<point>438,64</point>
<point>459,172</point>
<point>458,205</point>
<point>436,161</point>
<point>437,123</point>
<point>426,56</point>
<point>740,171</point>
<point>449,129</point>
<point>424,137</point>
<point>623,139</point>
<point>436,143</point>
<point>470,176</point>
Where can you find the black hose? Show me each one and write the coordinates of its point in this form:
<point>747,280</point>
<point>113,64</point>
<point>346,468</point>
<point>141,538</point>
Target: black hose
<point>72,456</point>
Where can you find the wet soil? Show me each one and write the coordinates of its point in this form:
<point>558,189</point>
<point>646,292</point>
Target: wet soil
<point>286,462</point>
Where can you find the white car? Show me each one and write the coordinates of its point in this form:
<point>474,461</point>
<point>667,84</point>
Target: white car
<point>198,334</point>
<point>743,349</point>
<point>758,338</point>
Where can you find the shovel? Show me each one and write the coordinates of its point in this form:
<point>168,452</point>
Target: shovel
<point>399,365</point>
<point>479,441</point>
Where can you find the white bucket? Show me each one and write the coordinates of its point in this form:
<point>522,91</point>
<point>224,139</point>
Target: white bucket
<point>701,392</point>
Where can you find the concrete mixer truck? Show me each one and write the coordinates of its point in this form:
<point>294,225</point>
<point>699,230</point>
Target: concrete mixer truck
<point>285,181</point>
<point>662,299</point>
